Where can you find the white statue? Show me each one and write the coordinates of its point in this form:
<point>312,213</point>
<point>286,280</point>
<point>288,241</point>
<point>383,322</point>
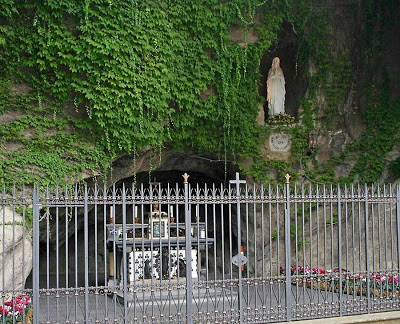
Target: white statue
<point>276,89</point>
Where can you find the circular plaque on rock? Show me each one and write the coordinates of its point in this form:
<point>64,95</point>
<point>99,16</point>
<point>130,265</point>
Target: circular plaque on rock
<point>280,142</point>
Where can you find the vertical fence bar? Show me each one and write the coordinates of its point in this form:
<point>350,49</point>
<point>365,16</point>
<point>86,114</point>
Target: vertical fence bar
<point>232,309</point>
<point>35,287</point>
<point>170,214</point>
<point>398,226</point>
<point>310,236</point>
<point>214,211</point>
<point>124,254</point>
<point>142,249</point>
<point>270,244</point>
<point>339,221</point>
<point>325,237</point>
<point>287,250</point>
<point>76,293</point>
<point>316,274</point>
<point>297,226</point>
<point>47,252</point>
<point>278,235</point>
<point>353,243</point>
<point>23,240</point>
<point>106,253</point>
<point>263,275</point>
<point>13,248</point>
<point>67,209</point>
<point>391,235</point>
<point>96,292</point>
<point>237,182</point>
<point>86,244</point>
<point>347,244</point>
<point>206,195</point>
<point>3,205</point>
<point>188,246</point>
<point>114,249</point>
<point>57,263</point>
<point>304,242</point>
<point>135,278</point>
<point>367,247</point>
<point>222,194</point>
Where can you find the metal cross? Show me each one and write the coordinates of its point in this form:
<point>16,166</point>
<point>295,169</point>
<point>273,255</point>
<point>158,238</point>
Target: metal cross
<point>237,181</point>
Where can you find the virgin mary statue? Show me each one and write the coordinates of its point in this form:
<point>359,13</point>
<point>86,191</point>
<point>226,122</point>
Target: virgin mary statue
<point>276,89</point>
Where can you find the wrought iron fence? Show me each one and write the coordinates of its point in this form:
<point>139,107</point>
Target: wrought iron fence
<point>185,253</point>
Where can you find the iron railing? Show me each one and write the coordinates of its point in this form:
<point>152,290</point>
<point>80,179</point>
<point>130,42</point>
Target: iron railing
<point>184,253</point>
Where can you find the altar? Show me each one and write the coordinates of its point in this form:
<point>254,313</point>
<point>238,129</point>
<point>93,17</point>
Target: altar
<point>155,248</point>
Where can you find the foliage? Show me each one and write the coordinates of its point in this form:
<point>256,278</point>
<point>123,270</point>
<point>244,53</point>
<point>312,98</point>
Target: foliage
<point>383,118</point>
<point>267,170</point>
<point>155,73</point>
<point>139,68</point>
<point>40,144</point>
<point>143,73</point>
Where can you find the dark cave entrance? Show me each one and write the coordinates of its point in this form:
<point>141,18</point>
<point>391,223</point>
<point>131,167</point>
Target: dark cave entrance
<point>64,265</point>
<point>295,74</point>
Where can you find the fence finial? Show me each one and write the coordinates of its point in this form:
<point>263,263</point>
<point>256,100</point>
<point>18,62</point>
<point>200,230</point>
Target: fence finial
<point>287,176</point>
<point>185,178</point>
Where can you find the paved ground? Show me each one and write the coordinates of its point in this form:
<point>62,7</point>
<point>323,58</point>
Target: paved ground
<point>377,318</point>
<point>260,304</point>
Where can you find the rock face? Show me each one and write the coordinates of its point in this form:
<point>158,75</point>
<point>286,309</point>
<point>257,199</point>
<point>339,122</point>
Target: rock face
<point>317,244</point>
<point>15,250</point>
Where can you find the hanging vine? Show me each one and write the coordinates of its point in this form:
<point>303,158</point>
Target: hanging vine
<point>138,70</point>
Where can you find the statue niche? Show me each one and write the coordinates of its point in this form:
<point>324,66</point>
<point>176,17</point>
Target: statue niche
<point>276,89</point>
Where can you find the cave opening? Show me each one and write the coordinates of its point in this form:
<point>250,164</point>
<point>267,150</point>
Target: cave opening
<point>64,264</point>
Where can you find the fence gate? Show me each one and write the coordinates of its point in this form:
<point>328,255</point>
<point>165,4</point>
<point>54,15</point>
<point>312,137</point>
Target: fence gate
<point>187,253</point>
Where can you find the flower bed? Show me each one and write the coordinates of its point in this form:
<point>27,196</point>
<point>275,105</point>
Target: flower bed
<point>381,284</point>
<point>18,309</point>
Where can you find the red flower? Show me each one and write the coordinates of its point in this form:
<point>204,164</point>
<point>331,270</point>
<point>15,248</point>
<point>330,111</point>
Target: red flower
<point>3,311</point>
